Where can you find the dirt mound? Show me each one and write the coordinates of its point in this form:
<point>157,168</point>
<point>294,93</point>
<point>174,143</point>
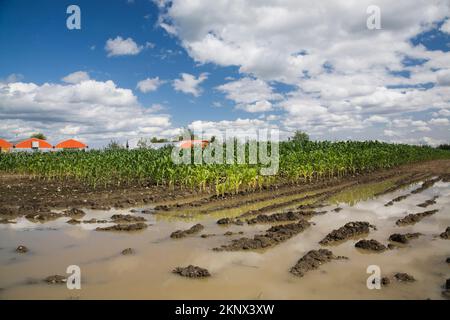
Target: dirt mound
<point>55,279</point>
<point>414,217</point>
<point>74,213</point>
<point>124,227</point>
<point>428,202</point>
<point>312,260</point>
<point>225,221</point>
<point>398,199</point>
<point>192,272</point>
<point>403,238</point>
<point>183,233</point>
<point>404,277</point>
<point>126,218</point>
<point>127,251</point>
<point>372,245</point>
<point>273,236</point>
<point>445,234</point>
<point>426,184</point>
<point>43,216</point>
<point>282,217</point>
<point>21,249</point>
<point>349,230</point>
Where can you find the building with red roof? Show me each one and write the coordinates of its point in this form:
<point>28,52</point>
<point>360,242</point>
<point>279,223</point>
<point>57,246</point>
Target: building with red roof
<point>33,143</point>
<point>71,144</point>
<point>5,146</point>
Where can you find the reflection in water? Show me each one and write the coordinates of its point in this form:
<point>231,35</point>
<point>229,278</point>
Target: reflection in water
<point>239,275</point>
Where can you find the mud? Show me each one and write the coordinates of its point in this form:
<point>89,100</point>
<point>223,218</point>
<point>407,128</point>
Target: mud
<point>445,234</point>
<point>371,245</point>
<point>127,251</point>
<point>124,227</point>
<point>427,184</point>
<point>413,218</point>
<point>404,277</point>
<point>55,279</point>
<point>428,202</point>
<point>192,272</point>
<point>226,221</point>
<point>184,233</point>
<point>312,261</point>
<point>272,237</point>
<point>126,218</point>
<point>397,199</point>
<point>283,217</point>
<point>404,238</point>
<point>349,230</point>
<point>21,249</point>
<point>74,213</point>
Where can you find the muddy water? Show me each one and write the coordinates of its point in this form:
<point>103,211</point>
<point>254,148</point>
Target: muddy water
<point>238,275</point>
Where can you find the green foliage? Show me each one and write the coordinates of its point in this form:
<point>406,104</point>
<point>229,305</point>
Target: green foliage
<point>38,136</point>
<point>305,161</point>
<point>300,136</point>
<point>114,145</point>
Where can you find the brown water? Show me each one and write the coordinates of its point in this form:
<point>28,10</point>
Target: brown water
<point>235,275</point>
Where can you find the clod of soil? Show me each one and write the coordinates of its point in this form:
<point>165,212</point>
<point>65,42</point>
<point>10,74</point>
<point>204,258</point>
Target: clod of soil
<point>56,279</point>
<point>183,233</point>
<point>398,199</point>
<point>192,272</point>
<point>428,202</point>
<point>404,238</point>
<point>372,245</point>
<point>282,217</point>
<point>225,221</point>
<point>349,230</point>
<point>126,218</point>
<point>43,216</point>
<point>21,249</point>
<point>6,221</point>
<point>93,220</point>
<point>404,277</point>
<point>273,236</point>
<point>447,260</point>
<point>229,233</point>
<point>124,227</point>
<point>312,260</point>
<point>445,234</point>
<point>208,235</point>
<point>74,213</point>
<point>338,209</point>
<point>73,221</point>
<point>127,251</point>
<point>414,217</point>
<point>385,281</point>
<point>425,185</point>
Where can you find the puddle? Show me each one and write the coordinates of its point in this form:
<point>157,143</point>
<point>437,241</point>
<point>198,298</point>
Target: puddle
<point>106,274</point>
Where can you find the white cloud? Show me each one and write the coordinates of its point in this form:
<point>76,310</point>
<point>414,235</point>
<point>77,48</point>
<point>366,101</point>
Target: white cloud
<point>446,26</point>
<point>189,83</point>
<point>356,88</point>
<point>122,47</point>
<point>76,77</point>
<point>258,106</point>
<point>94,110</point>
<point>439,121</point>
<point>390,133</point>
<point>149,84</point>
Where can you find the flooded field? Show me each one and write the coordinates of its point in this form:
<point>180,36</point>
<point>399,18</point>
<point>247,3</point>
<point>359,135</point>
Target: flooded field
<point>245,274</point>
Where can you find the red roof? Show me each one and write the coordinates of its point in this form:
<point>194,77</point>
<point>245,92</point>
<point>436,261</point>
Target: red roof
<point>71,144</point>
<point>5,144</point>
<point>28,143</point>
<point>186,144</point>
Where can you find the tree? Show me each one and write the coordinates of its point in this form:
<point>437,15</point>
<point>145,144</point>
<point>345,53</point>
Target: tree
<point>114,145</point>
<point>300,136</point>
<point>187,133</point>
<point>38,136</point>
<point>157,140</point>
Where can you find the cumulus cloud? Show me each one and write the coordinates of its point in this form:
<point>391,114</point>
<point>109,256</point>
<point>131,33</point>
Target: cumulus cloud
<point>76,77</point>
<point>122,47</point>
<point>446,26</point>
<point>97,111</point>
<point>188,83</point>
<point>344,77</point>
<point>149,84</point>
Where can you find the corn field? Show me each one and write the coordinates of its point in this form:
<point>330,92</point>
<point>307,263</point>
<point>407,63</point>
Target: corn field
<point>299,162</point>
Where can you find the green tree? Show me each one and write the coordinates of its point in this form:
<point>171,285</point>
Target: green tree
<point>38,135</point>
<point>114,145</point>
<point>300,136</point>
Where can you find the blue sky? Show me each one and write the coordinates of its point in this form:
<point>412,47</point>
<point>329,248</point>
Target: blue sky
<point>246,64</point>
